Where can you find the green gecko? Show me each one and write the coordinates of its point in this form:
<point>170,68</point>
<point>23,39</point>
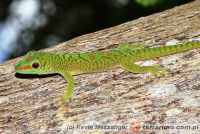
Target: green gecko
<point>73,64</point>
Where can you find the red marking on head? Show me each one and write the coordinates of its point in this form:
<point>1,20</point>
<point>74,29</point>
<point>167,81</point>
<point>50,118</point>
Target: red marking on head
<point>28,59</point>
<point>25,68</point>
<point>92,56</point>
<point>101,53</point>
<point>109,53</point>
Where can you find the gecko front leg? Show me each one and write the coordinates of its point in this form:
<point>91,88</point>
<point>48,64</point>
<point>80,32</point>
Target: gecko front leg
<point>70,87</point>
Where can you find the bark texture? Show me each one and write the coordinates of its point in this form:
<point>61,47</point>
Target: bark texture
<point>29,104</point>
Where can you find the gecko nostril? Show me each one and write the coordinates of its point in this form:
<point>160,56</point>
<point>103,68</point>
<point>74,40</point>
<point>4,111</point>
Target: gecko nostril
<point>16,67</point>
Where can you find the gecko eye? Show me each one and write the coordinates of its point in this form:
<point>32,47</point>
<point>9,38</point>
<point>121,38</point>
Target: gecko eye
<point>35,65</point>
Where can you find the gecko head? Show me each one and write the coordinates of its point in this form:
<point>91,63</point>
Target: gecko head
<point>32,63</point>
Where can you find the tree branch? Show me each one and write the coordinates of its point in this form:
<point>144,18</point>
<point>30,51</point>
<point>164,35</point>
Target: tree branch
<point>29,104</point>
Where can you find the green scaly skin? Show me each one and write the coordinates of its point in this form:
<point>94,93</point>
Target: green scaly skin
<point>73,64</point>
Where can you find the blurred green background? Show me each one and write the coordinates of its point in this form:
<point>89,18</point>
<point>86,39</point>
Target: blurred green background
<point>35,24</point>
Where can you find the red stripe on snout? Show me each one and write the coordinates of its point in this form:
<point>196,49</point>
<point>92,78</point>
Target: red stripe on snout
<point>25,68</point>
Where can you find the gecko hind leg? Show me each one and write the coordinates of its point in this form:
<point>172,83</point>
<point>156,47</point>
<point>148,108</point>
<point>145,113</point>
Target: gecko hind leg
<point>156,71</point>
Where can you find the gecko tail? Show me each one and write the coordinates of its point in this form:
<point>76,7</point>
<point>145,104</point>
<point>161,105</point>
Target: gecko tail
<point>149,53</point>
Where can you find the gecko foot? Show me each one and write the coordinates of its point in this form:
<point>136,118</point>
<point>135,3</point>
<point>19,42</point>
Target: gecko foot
<point>157,71</point>
<point>63,103</point>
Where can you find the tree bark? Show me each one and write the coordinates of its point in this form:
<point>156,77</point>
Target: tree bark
<point>29,104</point>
